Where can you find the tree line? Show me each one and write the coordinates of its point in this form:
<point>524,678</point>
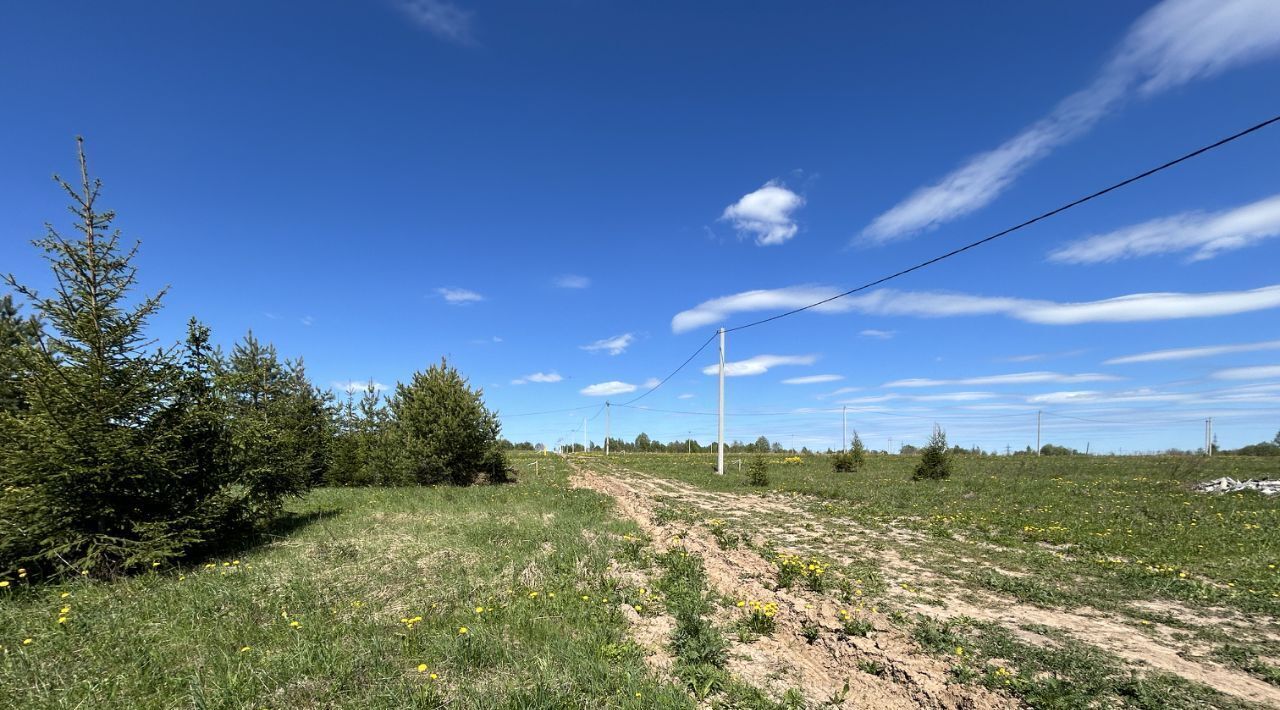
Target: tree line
<point>118,453</point>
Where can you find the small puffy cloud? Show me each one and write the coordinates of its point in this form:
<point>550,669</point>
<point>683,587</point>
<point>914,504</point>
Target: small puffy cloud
<point>758,365</point>
<point>812,379</point>
<point>544,377</point>
<point>685,396</point>
<point>1192,353</point>
<point>651,383</point>
<point>354,386</point>
<point>459,296</point>
<point>881,334</point>
<point>572,281</point>
<point>616,345</point>
<point>765,214</point>
<point>442,19</point>
<point>604,389</point>
<point>1260,372</point>
<point>1205,235</point>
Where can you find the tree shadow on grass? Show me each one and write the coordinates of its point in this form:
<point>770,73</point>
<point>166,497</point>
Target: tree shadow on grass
<point>282,526</point>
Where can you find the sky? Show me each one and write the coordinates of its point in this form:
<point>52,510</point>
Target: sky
<point>566,199</point>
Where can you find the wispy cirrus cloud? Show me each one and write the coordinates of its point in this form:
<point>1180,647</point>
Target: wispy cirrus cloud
<point>459,296</point>
<point>812,379</point>
<point>571,281</point>
<point>1014,378</point>
<point>616,345</point>
<point>541,377</point>
<point>1192,353</point>
<point>1257,372</point>
<point>1175,42</point>
<point>758,365</point>
<point>1206,235</point>
<point>442,19</point>
<point>939,304</point>
<point>765,214</point>
<point>880,334</point>
<point>604,389</point>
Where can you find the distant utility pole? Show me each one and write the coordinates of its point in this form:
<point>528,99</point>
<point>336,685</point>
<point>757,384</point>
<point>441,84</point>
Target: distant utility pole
<point>720,433</point>
<point>890,450</point>
<point>844,428</point>
<point>689,440</point>
<point>1208,437</point>
<point>1037,432</point>
<point>606,429</point>
<point>585,445</point>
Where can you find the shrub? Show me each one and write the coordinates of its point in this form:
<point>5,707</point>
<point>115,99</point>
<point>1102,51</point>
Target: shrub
<point>758,471</point>
<point>447,434</point>
<point>842,462</point>
<point>935,461</point>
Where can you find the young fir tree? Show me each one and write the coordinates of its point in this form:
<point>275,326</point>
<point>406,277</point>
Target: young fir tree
<point>758,471</point>
<point>17,335</point>
<point>858,452</point>
<point>88,469</point>
<point>447,434</point>
<point>935,459</point>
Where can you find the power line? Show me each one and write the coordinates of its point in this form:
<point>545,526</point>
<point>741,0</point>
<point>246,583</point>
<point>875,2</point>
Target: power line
<point>1029,222</point>
<point>673,372</point>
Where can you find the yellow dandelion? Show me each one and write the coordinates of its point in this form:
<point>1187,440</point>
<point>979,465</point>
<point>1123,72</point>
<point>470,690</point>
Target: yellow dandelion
<point>4,584</point>
<point>479,610</point>
<point>295,624</point>
<point>433,676</point>
<point>27,642</point>
<point>246,649</point>
<point>463,631</point>
<point>64,595</point>
<point>422,668</point>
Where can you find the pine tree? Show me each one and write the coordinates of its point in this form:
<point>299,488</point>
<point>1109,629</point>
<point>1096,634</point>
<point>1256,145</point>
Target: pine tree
<point>858,452</point>
<point>90,469</point>
<point>758,471</point>
<point>935,459</point>
<point>447,433</point>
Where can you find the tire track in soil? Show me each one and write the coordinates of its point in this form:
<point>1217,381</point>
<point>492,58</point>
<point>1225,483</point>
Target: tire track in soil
<point>820,670</point>
<point>1090,626</point>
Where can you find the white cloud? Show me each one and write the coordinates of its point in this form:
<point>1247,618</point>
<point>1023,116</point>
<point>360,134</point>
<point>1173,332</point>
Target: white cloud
<point>837,393</point>
<point>881,334</point>
<point>685,396</point>
<point>354,386</point>
<point>572,281</point>
<point>616,345</point>
<point>1191,353</point>
<point>1065,397</point>
<point>1260,372</point>
<point>766,214</point>
<point>1208,234</point>
<point>1016,378</point>
<point>937,304</point>
<point>307,320</point>
<point>758,365</point>
<point>605,389</point>
<point>1139,396</point>
<point>955,397</point>
<point>1175,42</point>
<point>459,296</point>
<point>812,379</point>
<point>718,309</point>
<point>443,19</point>
<point>545,377</point>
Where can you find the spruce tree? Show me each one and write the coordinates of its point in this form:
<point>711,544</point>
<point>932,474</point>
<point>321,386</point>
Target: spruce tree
<point>448,435</point>
<point>90,470</point>
<point>935,459</point>
<point>17,335</point>
<point>857,452</point>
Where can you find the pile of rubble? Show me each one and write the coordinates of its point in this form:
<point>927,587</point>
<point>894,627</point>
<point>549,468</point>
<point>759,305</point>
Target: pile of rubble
<point>1231,485</point>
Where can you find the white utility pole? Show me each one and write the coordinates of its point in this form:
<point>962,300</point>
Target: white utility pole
<point>844,428</point>
<point>1037,432</point>
<point>720,434</point>
<point>584,435</point>
<point>606,429</point>
<point>1208,437</point>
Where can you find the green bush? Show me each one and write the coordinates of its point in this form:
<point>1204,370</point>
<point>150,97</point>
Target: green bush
<point>758,471</point>
<point>935,460</point>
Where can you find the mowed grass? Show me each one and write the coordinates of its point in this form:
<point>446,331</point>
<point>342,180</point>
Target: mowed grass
<point>326,613</point>
<point>1129,528</point>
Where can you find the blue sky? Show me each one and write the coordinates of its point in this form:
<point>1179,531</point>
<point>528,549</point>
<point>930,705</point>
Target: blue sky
<point>564,196</point>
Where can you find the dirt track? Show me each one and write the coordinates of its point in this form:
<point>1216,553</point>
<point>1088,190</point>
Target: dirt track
<point>911,678</point>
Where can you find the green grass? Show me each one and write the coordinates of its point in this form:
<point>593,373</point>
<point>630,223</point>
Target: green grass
<point>1131,523</point>
<point>353,565</point>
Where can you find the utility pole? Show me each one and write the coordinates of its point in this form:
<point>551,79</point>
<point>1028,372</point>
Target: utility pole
<point>584,435</point>
<point>890,449</point>
<point>1037,432</point>
<point>606,429</point>
<point>720,428</point>
<point>689,441</point>
<point>844,428</point>
<point>1208,437</point>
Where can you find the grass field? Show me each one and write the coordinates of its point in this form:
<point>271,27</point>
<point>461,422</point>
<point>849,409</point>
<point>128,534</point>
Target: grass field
<point>323,615</point>
<point>1072,582</point>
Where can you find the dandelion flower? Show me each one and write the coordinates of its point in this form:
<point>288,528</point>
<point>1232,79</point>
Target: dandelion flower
<point>463,631</point>
<point>433,676</point>
<point>246,649</point>
<point>64,595</point>
<point>155,564</point>
<point>422,668</point>
<point>65,609</point>
<point>4,584</point>
<point>295,624</point>
<point>62,619</point>
<point>27,642</point>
